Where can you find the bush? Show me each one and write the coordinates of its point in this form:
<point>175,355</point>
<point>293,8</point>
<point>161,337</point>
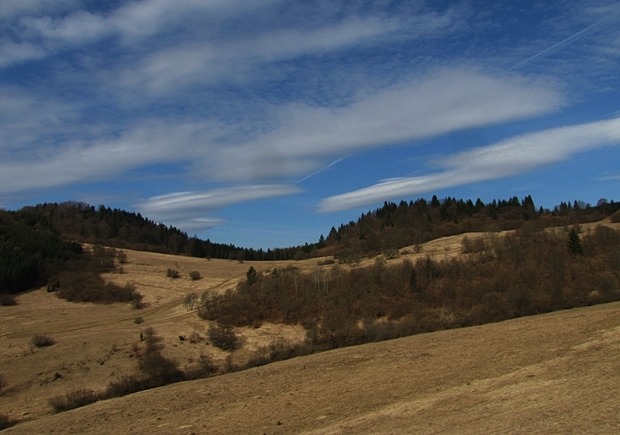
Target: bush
<point>138,320</point>
<point>205,368</point>
<point>127,384</point>
<point>152,341</point>
<point>42,341</point>
<point>195,337</point>
<point>172,273</point>
<point>75,399</point>
<point>223,336</point>
<point>80,286</point>
<point>472,246</point>
<point>159,370</point>
<point>190,301</point>
<point>195,275</point>
<point>136,299</point>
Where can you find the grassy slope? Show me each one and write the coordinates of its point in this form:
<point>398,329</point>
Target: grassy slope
<point>547,373</point>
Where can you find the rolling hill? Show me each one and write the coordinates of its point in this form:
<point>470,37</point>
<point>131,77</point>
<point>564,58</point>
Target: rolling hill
<point>552,372</point>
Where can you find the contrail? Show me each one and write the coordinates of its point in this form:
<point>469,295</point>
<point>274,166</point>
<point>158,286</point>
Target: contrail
<point>318,171</point>
<point>554,46</point>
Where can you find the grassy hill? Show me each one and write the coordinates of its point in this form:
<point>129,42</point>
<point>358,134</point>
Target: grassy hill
<point>498,377</point>
<point>553,373</point>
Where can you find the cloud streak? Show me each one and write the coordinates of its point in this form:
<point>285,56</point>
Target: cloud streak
<point>188,210</point>
<point>554,46</point>
<point>504,159</point>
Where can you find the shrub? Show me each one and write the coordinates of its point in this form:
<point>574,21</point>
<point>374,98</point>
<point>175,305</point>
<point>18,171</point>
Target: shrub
<point>152,341</point>
<point>195,337</point>
<point>136,299</point>
<point>204,369</point>
<point>81,286</point>
<point>42,341</point>
<point>472,246</point>
<point>195,275</point>
<point>127,384</point>
<point>223,336</point>
<point>159,370</point>
<point>190,301</point>
<point>75,399</point>
<point>138,320</point>
<point>172,273</point>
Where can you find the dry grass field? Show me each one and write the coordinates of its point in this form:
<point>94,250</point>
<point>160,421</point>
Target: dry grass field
<point>553,373</point>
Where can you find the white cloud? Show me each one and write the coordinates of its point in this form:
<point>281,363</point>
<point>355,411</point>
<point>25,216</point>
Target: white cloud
<point>441,102</point>
<point>187,209</point>
<point>147,142</point>
<point>510,157</point>
<point>47,27</point>
<point>208,62</point>
<point>302,140</point>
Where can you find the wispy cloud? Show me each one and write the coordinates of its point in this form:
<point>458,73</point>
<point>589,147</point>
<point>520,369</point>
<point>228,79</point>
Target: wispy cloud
<point>302,140</point>
<point>435,104</point>
<point>190,210</point>
<point>507,158</point>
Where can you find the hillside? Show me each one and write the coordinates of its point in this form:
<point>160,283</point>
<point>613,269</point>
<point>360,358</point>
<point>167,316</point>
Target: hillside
<point>554,373</point>
<point>357,386</point>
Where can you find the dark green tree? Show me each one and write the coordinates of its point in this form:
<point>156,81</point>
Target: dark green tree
<point>574,243</point>
<point>251,275</point>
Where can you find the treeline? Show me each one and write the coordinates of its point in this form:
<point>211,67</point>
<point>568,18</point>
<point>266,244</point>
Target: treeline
<point>501,277</point>
<point>394,225</point>
<point>389,227</point>
<point>122,229</point>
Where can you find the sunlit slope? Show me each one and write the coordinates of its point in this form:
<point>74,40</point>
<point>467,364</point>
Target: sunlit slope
<point>551,373</point>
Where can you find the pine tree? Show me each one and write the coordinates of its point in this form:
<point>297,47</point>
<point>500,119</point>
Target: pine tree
<point>574,243</point>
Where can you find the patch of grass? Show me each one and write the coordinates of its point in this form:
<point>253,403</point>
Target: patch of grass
<point>42,341</point>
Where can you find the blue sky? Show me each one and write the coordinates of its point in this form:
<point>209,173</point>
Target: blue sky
<point>265,123</point>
